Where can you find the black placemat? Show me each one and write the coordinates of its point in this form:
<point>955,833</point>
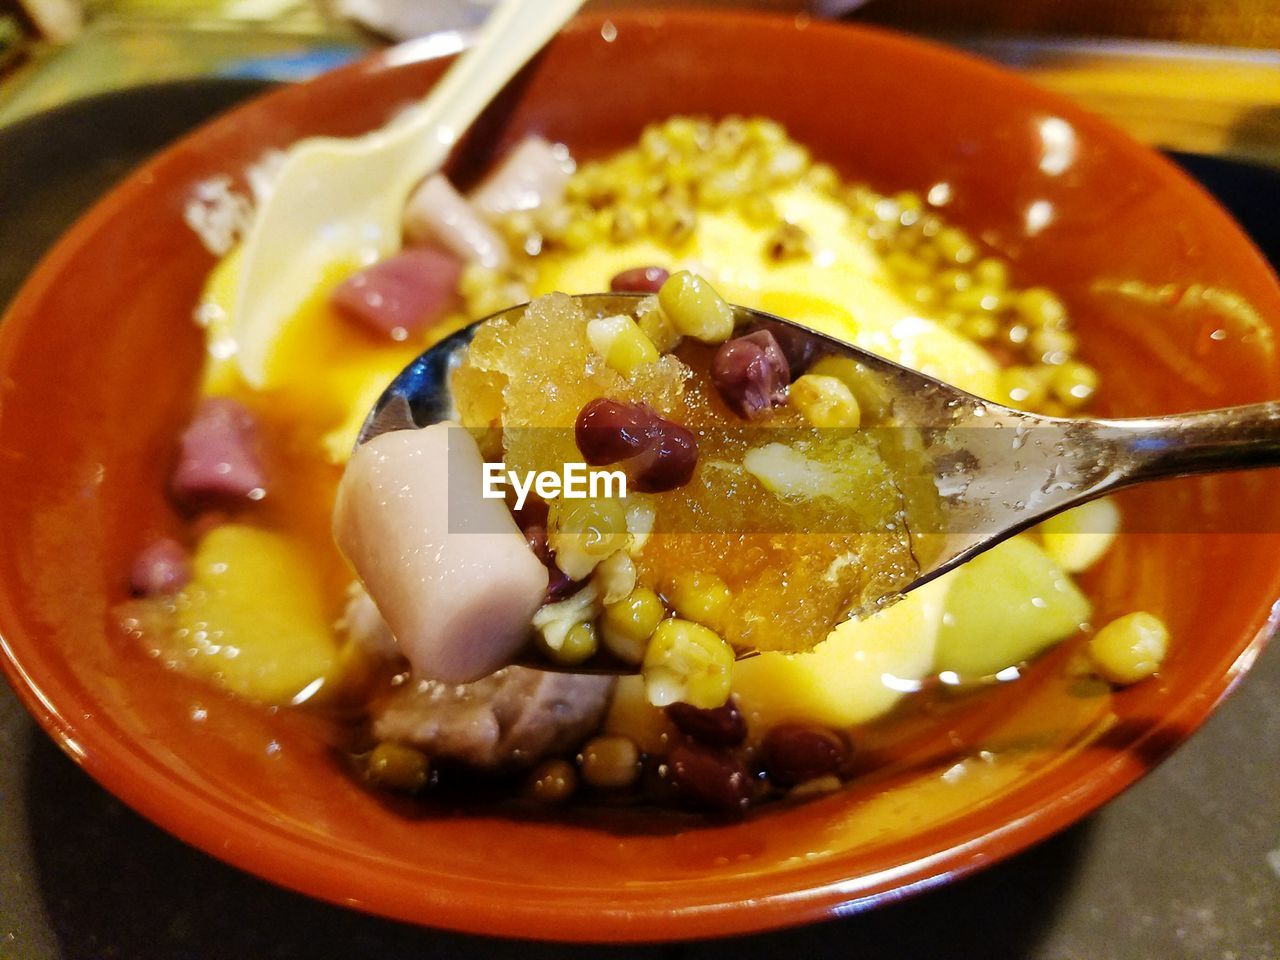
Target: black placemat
<point>1184,865</point>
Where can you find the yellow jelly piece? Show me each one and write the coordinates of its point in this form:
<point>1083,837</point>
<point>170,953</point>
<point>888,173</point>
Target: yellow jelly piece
<point>853,676</point>
<point>632,715</point>
<point>1006,606</point>
<point>1079,538</point>
<point>254,618</point>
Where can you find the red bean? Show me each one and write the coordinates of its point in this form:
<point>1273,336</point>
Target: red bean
<point>751,373</point>
<point>793,753</point>
<point>608,431</point>
<point>639,280</point>
<point>536,537</point>
<point>559,585</point>
<point>658,454</point>
<point>797,346</point>
<point>721,727</point>
<point>713,779</point>
<point>668,462</point>
<point>218,462</point>
<point>532,514</point>
<point>162,567</point>
<point>402,295</point>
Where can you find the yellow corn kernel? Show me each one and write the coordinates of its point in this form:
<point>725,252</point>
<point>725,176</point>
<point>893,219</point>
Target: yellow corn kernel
<point>395,766</point>
<point>1078,538</point>
<point>655,325</point>
<point>699,596</point>
<point>552,781</point>
<point>695,308</point>
<point>991,272</point>
<point>582,533</point>
<point>1040,307</point>
<point>955,246</point>
<point>687,663</point>
<point>871,399</point>
<point>580,643</point>
<point>625,626</point>
<point>786,242</point>
<point>1130,648</point>
<point>615,577</point>
<point>1074,384</point>
<point>1023,387</point>
<point>672,222</point>
<point>559,627</point>
<point>1053,345</point>
<point>825,401</point>
<point>980,327</point>
<point>823,177</point>
<point>626,223</point>
<point>610,762</point>
<point>622,344</point>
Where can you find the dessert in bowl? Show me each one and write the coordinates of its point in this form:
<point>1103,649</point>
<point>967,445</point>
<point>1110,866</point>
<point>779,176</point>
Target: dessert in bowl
<point>1168,317</point>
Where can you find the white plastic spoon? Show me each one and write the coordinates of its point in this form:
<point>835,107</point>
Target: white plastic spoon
<point>341,200</point>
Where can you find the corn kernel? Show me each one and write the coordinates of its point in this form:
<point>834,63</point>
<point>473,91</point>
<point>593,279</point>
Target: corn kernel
<point>1024,388</point>
<point>787,163</point>
<point>580,643</point>
<point>625,224</point>
<point>758,210</point>
<point>974,299</point>
<point>552,781</point>
<point>655,325</point>
<point>396,766</point>
<point>991,272</point>
<point>953,280</point>
<point>616,577</point>
<point>719,189</point>
<point>980,327</point>
<point>823,177</point>
<point>699,596</point>
<point>955,246</point>
<point>695,308</point>
<point>871,400</point>
<point>786,242</point>
<point>580,234</point>
<point>1074,384</point>
<point>621,342</point>
<point>558,627</point>
<point>610,762</point>
<point>626,626</point>
<point>687,663</point>
<point>1040,307</point>
<point>1053,345</point>
<point>1130,648</point>
<point>582,533</point>
<point>907,267</point>
<point>672,222</point>
<point>825,401</point>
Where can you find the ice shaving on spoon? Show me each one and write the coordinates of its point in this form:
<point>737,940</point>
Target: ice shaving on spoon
<point>754,510</point>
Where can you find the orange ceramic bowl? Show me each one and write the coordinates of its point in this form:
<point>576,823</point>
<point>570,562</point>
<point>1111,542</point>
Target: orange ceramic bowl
<point>98,369</point>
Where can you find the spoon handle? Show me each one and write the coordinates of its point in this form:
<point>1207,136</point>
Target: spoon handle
<point>1231,438</point>
<point>512,33</point>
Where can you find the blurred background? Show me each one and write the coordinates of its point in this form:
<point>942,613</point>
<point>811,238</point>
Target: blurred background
<point>1193,75</point>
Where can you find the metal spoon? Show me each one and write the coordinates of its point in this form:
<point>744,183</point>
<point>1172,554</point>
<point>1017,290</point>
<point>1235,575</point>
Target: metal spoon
<point>341,200</point>
<point>997,471</point>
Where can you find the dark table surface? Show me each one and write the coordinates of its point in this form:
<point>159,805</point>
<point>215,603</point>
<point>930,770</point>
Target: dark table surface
<point>1184,865</point>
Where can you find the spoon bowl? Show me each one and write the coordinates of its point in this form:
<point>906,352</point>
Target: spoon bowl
<point>997,470</point>
<point>341,200</point>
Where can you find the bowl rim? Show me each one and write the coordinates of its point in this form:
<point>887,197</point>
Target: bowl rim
<point>213,824</point>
